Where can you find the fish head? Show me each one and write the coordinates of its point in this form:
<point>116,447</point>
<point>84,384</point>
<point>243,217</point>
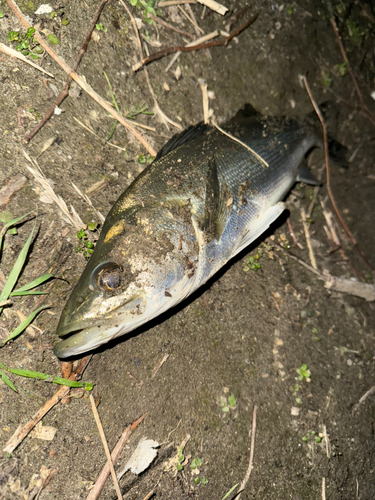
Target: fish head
<point>124,285</point>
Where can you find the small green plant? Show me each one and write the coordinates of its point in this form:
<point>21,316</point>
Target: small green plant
<point>180,459</point>
<point>303,373</point>
<point>341,69</point>
<point>327,78</point>
<point>1,14</point>
<point>355,32</point>
<point>312,435</point>
<point>227,404</point>
<point>142,159</point>
<point>147,7</point>
<point>26,43</point>
<point>252,263</point>
<point>86,246</point>
<point>230,491</point>
<point>100,27</point>
<point>195,463</point>
<point>142,109</point>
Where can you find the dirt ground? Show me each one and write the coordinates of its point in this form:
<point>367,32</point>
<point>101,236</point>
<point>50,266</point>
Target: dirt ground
<point>246,332</point>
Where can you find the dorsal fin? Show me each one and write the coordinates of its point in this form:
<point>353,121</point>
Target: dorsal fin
<point>182,138</point>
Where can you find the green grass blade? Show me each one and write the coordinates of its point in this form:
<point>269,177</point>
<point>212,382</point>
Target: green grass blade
<point>15,272</point>
<point>25,323</point>
<point>230,491</point>
<point>49,378</point>
<point>34,283</point>
<point>9,224</point>
<point>22,294</point>
<point>6,381</point>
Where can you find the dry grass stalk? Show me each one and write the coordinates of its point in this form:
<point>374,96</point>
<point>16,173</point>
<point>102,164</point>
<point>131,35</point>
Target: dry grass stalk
<point>105,446</point>
<point>252,446</point>
<point>168,3</point>
<point>189,18</point>
<point>14,53</point>
<point>87,200</point>
<point>308,239</point>
<point>99,483</point>
<point>239,142</point>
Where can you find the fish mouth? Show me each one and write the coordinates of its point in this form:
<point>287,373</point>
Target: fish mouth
<point>86,339</point>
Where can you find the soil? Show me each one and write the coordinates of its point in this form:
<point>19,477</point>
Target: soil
<point>246,332</point>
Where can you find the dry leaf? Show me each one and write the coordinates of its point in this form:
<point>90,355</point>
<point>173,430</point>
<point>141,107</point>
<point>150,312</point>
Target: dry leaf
<point>44,432</point>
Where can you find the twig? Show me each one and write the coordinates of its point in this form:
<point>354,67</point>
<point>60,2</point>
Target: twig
<point>65,90</point>
<point>239,142</point>
<point>81,82</point>
<point>330,193</point>
<point>13,53</point>
<point>326,442</point>
<point>203,86</point>
<point>149,495</point>
<point>23,431</point>
<point>105,446</point>
<point>99,483</point>
<point>171,50</point>
<point>252,446</point>
<point>158,110</point>
<point>308,239</point>
<point>350,70</point>
<point>169,26</point>
<point>323,488</point>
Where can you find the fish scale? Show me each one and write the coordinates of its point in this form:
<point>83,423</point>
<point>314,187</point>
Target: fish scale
<point>203,199</point>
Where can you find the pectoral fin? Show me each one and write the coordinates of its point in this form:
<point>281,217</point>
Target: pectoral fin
<point>304,175</point>
<point>217,209</point>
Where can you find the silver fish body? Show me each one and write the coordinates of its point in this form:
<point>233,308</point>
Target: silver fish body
<point>203,199</point>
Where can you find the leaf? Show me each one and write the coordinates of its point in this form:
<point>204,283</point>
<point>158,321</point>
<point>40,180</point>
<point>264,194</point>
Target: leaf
<point>25,323</point>
<point>6,381</point>
<point>33,284</point>
<point>15,272</point>
<point>142,457</point>
<point>9,224</point>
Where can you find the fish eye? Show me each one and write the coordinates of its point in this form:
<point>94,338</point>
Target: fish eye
<point>108,277</point>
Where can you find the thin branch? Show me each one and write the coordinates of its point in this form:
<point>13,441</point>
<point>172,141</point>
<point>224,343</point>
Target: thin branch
<point>350,70</point>
<point>184,48</point>
<point>105,446</point>
<point>23,431</point>
<point>65,90</point>
<point>81,82</point>
<point>329,190</point>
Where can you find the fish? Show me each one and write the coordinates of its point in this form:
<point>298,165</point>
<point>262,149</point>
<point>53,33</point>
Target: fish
<point>207,195</point>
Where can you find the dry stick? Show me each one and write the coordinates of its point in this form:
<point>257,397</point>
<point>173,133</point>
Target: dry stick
<point>105,446</point>
<point>252,446</point>
<point>345,57</point>
<point>168,3</point>
<point>65,92</point>
<point>323,488</point>
<point>13,53</point>
<point>22,432</point>
<point>191,20</point>
<point>163,116</point>
<point>149,495</point>
<point>326,155</point>
<point>308,239</point>
<point>292,234</point>
<point>81,82</point>
<point>218,43</point>
<point>99,483</point>
<point>169,26</point>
